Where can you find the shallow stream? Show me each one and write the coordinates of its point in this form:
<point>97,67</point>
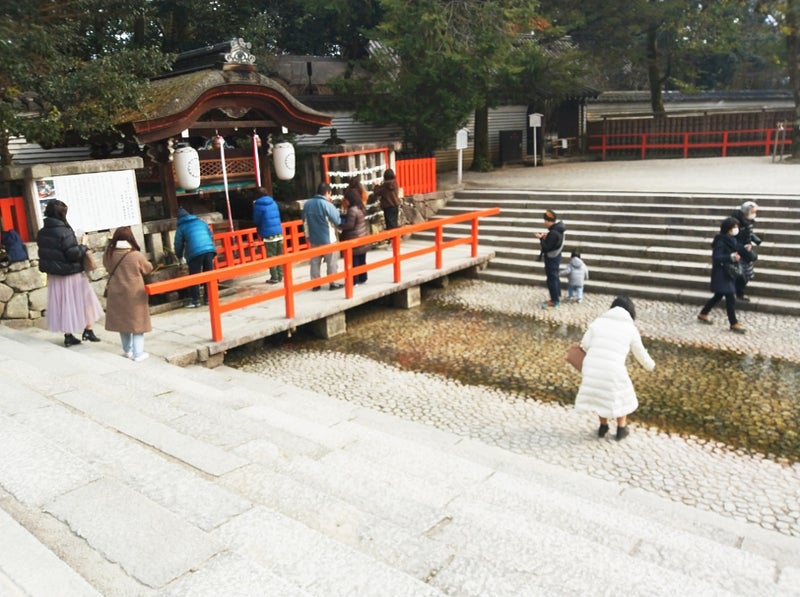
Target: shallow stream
<point>747,402</point>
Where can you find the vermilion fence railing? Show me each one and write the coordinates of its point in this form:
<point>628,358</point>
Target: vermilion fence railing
<point>244,246</point>
<point>12,211</point>
<point>416,176</point>
<point>687,141</point>
<point>290,260</point>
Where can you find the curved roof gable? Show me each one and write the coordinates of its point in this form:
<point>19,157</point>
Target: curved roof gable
<point>179,102</point>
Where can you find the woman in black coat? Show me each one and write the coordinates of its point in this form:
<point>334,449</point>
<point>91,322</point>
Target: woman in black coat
<point>725,257</point>
<point>72,305</point>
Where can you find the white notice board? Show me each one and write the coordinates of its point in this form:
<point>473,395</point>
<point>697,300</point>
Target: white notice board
<point>96,201</point>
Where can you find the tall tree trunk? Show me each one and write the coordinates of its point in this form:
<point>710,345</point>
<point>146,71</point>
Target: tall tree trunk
<point>654,72</point>
<point>793,65</point>
<point>481,158</point>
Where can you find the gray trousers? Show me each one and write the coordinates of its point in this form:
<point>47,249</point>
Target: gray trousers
<point>331,264</point>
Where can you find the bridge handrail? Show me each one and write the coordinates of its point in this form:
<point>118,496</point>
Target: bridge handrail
<point>289,260</point>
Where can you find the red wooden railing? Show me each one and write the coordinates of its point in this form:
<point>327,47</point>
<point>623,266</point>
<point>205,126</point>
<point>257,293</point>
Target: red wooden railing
<point>12,212</point>
<point>688,141</point>
<point>291,259</point>
<point>416,176</point>
<point>245,246</point>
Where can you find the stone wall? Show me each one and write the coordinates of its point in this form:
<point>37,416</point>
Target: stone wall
<point>23,288</point>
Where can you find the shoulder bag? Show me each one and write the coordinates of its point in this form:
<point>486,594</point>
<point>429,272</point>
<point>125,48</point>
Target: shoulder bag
<point>89,264</point>
<point>575,355</point>
<point>111,274</point>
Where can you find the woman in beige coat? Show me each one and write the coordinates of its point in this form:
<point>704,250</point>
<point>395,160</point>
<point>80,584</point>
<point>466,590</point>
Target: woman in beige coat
<point>127,308</point>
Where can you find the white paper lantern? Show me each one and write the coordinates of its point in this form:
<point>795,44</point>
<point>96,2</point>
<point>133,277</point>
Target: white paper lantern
<point>187,168</point>
<point>283,156</point>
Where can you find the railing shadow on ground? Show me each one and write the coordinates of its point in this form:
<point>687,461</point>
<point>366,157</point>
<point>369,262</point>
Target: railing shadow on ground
<point>244,259</point>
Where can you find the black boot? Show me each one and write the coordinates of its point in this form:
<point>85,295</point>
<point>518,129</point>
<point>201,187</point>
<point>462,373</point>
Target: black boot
<point>88,334</point>
<point>70,340</point>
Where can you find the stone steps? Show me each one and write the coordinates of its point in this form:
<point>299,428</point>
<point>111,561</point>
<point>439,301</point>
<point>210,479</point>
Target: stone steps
<point>650,245</point>
<point>151,479</point>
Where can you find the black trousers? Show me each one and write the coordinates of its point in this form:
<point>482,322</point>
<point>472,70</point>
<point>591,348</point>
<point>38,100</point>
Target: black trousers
<point>730,305</point>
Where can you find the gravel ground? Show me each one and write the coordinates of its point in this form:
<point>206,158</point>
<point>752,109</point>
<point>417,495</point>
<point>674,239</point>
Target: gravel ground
<point>700,473</point>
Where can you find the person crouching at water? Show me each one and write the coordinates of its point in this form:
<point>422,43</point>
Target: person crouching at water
<point>606,387</point>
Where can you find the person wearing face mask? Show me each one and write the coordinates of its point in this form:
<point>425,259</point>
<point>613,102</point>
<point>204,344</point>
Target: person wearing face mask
<point>725,257</point>
<point>746,218</point>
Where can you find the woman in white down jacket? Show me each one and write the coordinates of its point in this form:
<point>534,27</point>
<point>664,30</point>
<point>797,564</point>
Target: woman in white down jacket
<point>606,388</point>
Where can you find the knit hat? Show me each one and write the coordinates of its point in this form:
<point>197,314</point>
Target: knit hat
<point>182,212</point>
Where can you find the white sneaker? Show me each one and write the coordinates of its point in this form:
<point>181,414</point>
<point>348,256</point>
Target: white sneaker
<point>129,354</point>
<point>141,357</point>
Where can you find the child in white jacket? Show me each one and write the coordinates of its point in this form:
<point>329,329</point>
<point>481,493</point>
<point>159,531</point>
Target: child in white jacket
<point>577,273</point>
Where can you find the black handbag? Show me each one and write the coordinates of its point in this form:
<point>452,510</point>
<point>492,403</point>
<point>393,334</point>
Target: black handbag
<point>733,269</point>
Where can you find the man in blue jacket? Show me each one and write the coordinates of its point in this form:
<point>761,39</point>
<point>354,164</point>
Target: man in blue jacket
<point>319,215</point>
<point>193,237</point>
<point>267,218</point>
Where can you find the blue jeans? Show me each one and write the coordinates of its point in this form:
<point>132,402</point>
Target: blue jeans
<point>552,269</point>
<point>197,264</point>
<point>132,343</point>
<point>577,291</point>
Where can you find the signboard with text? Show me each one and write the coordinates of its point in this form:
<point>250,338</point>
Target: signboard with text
<point>96,201</point>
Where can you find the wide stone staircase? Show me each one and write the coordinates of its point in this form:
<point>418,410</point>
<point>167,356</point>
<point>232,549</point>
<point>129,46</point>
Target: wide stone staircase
<point>122,478</point>
<point>655,246</point>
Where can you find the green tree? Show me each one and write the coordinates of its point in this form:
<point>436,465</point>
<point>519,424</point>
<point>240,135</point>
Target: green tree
<point>417,78</point>
<point>436,62</point>
<point>671,44</point>
<point>784,15</point>
<point>78,75</point>
<point>323,27</point>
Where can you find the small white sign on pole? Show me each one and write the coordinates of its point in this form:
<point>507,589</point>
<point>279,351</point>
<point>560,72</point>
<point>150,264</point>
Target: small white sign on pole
<point>462,142</point>
<point>535,122</point>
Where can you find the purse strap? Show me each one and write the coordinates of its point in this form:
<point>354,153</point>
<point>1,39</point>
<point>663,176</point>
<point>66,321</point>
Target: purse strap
<point>111,274</point>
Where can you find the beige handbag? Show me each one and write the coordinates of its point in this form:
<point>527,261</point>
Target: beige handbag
<point>89,264</point>
<point>575,356</point>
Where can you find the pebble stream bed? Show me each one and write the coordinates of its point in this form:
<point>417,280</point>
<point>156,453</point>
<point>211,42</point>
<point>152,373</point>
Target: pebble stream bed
<point>747,402</point>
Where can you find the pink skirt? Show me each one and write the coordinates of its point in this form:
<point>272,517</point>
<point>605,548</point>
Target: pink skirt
<point>71,303</point>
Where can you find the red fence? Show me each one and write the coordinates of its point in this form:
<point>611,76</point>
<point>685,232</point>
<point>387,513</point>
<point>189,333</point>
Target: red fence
<point>290,260</point>
<point>416,175</point>
<point>12,212</point>
<point>245,246</point>
<point>720,142</point>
